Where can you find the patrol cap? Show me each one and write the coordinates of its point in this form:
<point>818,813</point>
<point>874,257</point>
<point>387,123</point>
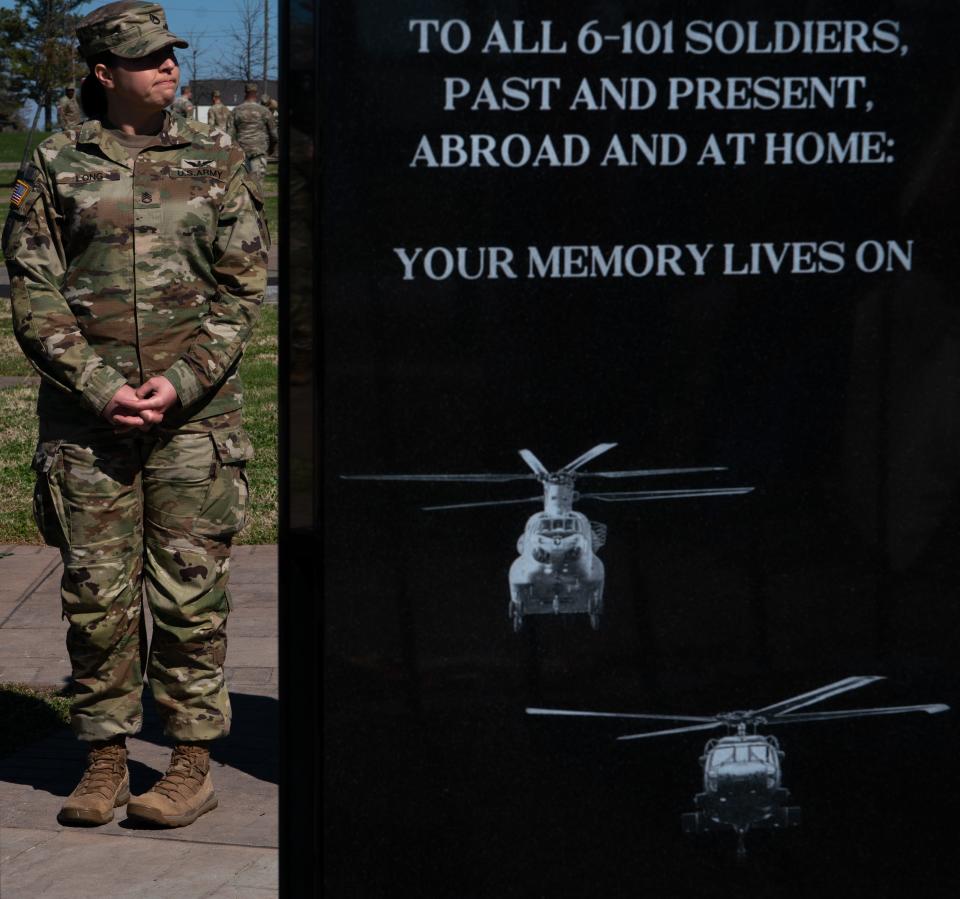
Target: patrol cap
<point>127,28</point>
<point>216,93</point>
<point>250,87</point>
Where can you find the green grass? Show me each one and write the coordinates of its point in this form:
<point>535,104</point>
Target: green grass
<point>18,435</point>
<point>29,713</point>
<point>12,144</point>
<point>18,438</point>
<point>259,372</point>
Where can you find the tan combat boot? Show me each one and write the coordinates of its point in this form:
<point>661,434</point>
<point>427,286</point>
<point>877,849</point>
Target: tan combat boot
<point>104,785</point>
<point>183,794</point>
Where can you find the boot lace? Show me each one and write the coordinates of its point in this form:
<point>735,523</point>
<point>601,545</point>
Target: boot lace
<point>184,777</point>
<point>105,766</point>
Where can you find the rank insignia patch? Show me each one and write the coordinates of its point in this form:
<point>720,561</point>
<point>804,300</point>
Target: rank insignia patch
<point>21,190</point>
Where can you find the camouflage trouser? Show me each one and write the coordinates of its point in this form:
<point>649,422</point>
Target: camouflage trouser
<point>150,512</point>
<point>257,166</point>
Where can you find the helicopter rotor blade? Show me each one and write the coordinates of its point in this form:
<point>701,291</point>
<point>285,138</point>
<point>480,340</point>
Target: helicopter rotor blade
<point>674,730</point>
<point>494,502</point>
<point>641,495</point>
<point>451,478</point>
<point>577,714</point>
<point>590,454</point>
<point>536,466</point>
<point>649,472</point>
<point>818,695</point>
<point>932,709</point>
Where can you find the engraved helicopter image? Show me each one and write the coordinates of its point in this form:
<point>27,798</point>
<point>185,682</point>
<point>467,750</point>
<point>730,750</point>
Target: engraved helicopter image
<point>557,570</point>
<point>742,777</point>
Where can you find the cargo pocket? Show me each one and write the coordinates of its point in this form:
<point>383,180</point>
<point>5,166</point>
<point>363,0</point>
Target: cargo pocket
<point>225,510</point>
<point>49,510</point>
<point>177,479</point>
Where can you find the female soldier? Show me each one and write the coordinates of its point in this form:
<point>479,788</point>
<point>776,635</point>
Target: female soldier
<point>137,256</point>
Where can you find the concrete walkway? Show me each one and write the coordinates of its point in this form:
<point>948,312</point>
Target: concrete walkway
<point>230,852</point>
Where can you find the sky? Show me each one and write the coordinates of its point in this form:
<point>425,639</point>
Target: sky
<point>204,25</point>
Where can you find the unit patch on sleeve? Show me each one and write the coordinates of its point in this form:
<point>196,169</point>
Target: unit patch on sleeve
<point>23,186</point>
<point>21,190</point>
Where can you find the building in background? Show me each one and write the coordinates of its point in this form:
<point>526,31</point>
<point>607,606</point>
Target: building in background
<point>231,93</point>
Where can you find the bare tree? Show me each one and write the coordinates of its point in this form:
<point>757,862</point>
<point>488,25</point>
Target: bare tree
<point>192,60</point>
<point>247,45</point>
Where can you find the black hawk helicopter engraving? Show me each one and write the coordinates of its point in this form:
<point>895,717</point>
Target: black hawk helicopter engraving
<point>558,570</point>
<point>742,777</point>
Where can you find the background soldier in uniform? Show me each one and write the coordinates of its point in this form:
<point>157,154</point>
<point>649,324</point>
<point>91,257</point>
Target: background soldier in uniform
<point>68,111</point>
<point>137,254</point>
<point>256,132</point>
<point>184,103</point>
<point>219,116</point>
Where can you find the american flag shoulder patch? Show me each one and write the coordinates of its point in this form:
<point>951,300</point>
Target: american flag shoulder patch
<point>21,190</point>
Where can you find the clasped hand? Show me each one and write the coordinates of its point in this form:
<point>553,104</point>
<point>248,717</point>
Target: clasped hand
<point>142,408</point>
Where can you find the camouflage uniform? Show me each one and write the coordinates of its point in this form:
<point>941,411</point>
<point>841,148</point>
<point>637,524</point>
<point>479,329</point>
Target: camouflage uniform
<point>183,106</point>
<point>256,132</point>
<point>122,269</point>
<point>69,114</point>
<point>220,117</point>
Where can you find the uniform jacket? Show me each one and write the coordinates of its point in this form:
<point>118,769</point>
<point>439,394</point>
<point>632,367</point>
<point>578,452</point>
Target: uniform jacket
<point>256,129</point>
<point>219,116</point>
<point>119,272</point>
<point>183,106</point>
<point>69,114</point>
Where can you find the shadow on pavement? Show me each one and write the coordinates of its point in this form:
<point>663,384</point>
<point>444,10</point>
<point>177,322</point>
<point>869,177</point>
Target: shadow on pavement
<point>23,713</point>
<point>54,763</point>
<point>252,746</point>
